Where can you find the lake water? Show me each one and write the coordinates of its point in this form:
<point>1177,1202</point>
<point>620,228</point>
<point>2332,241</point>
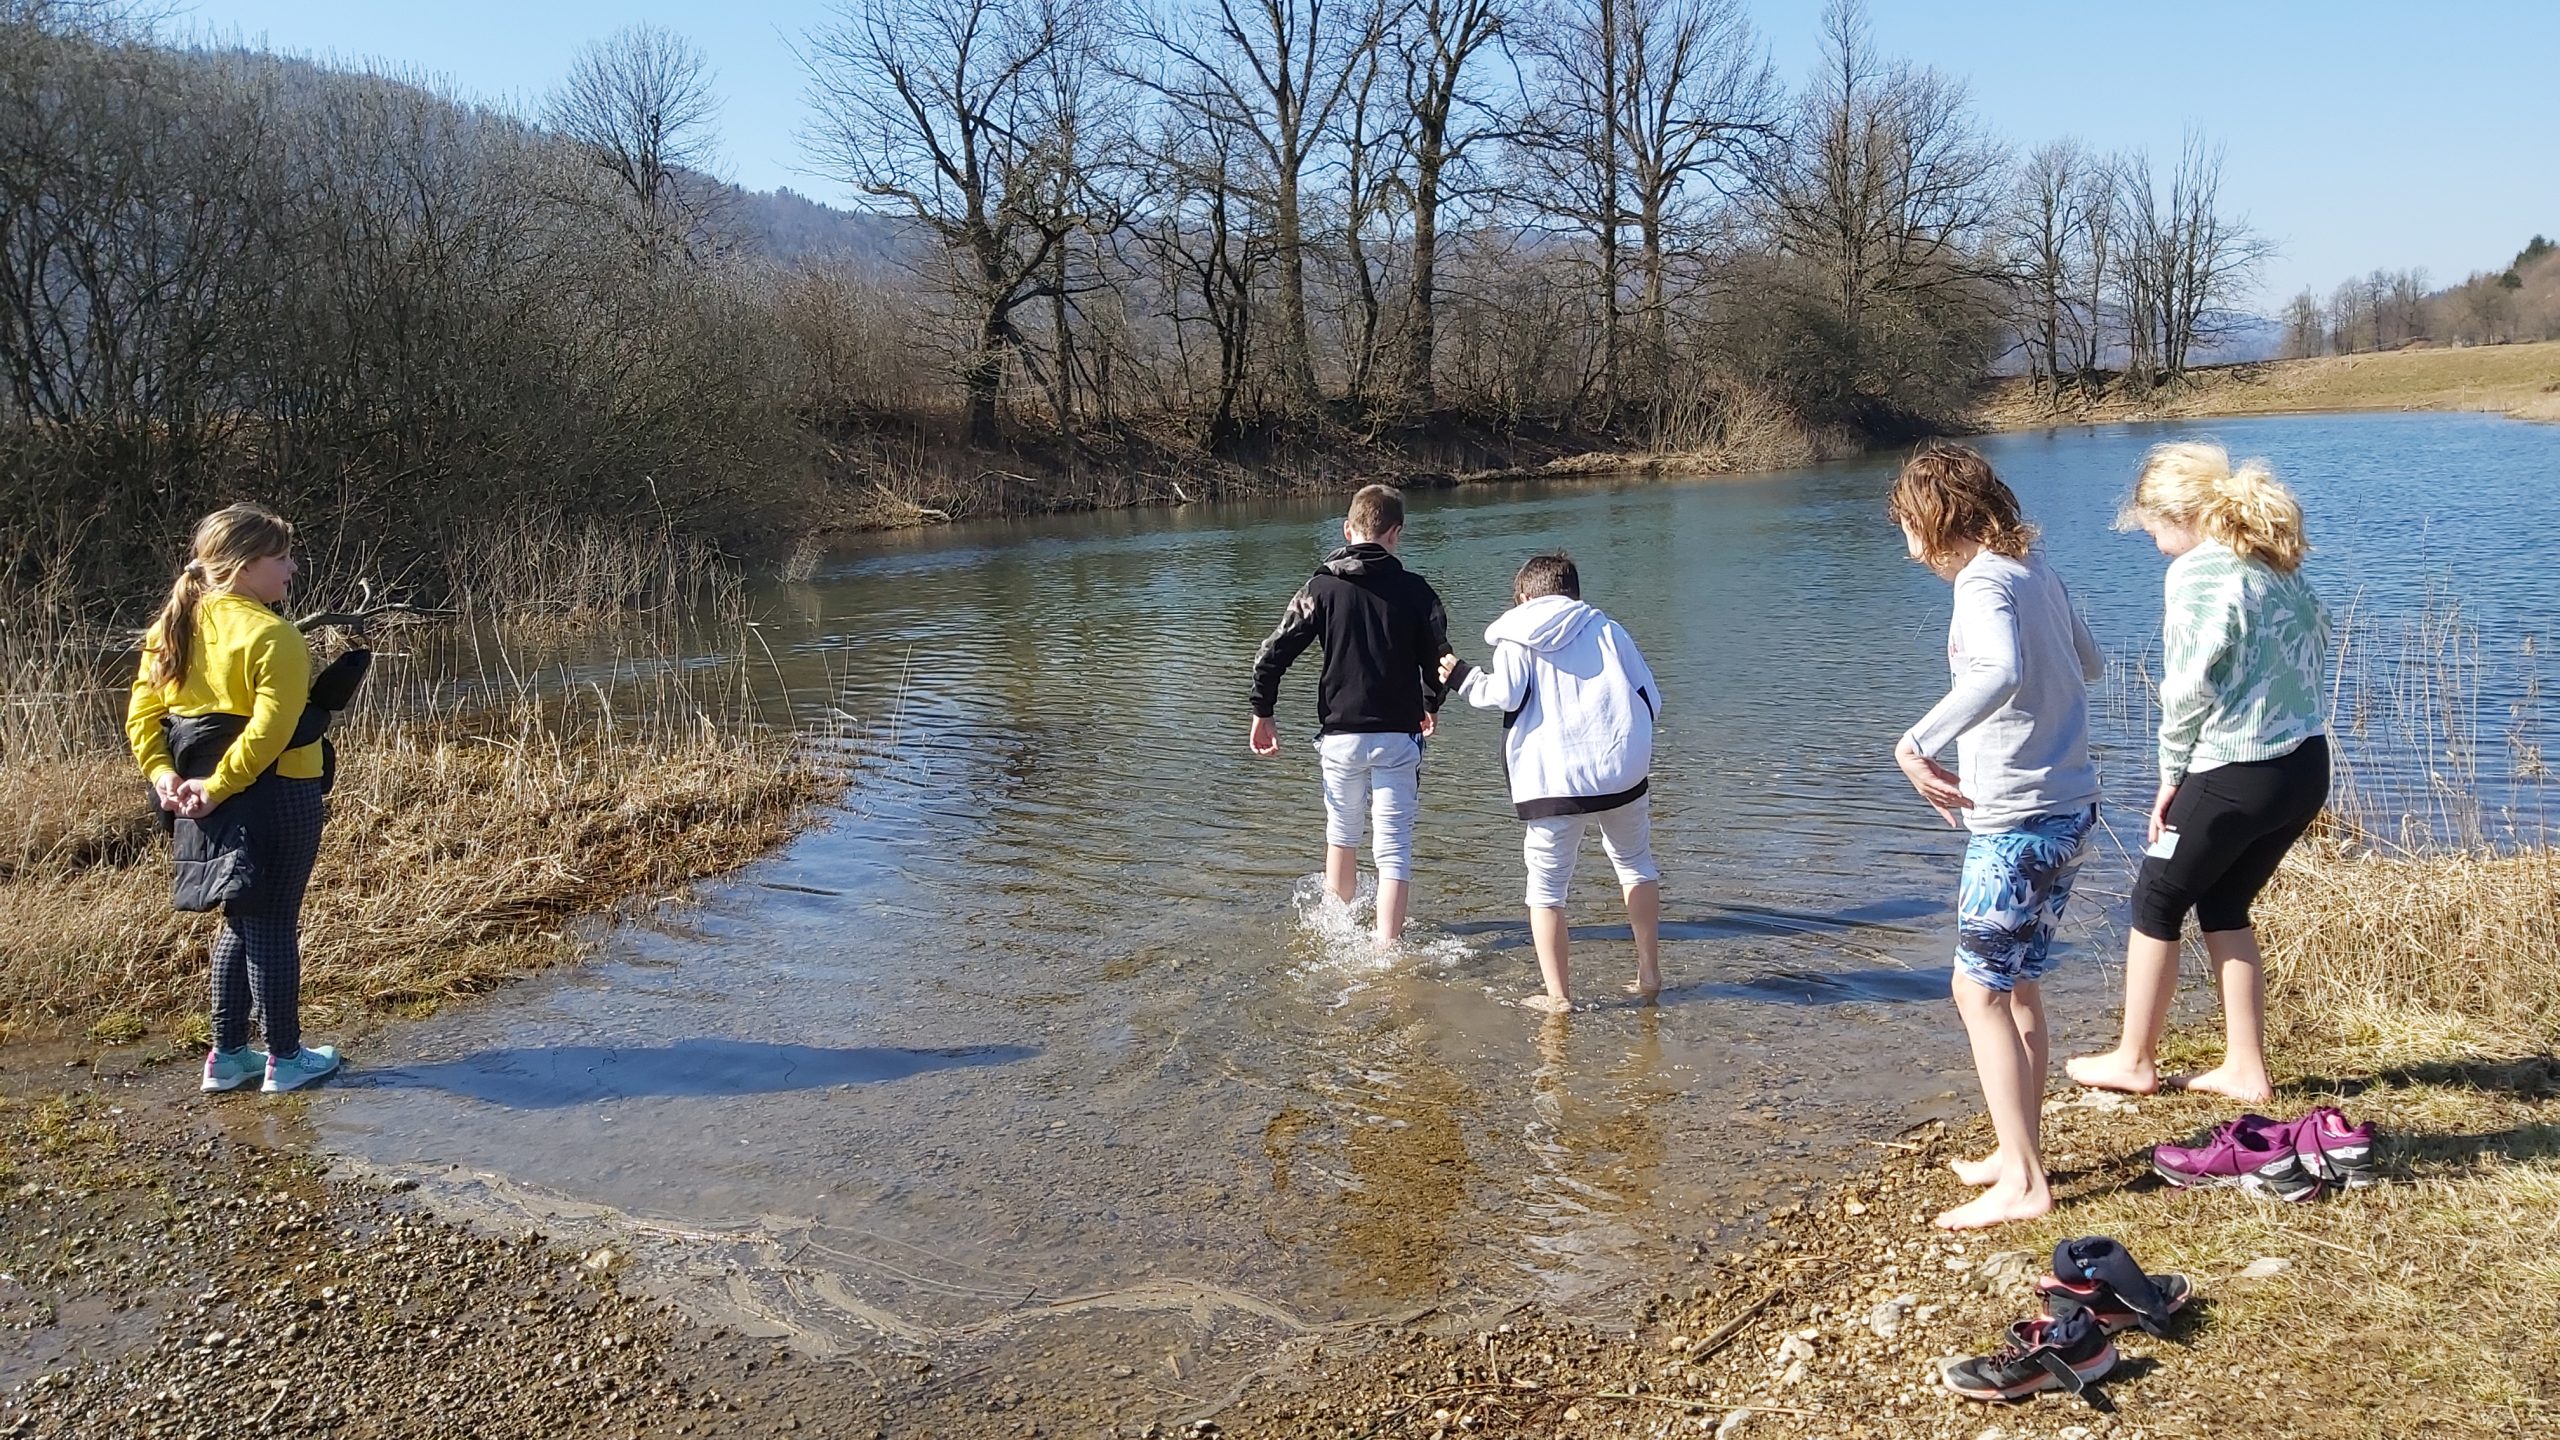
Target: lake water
<point>1031,1046</point>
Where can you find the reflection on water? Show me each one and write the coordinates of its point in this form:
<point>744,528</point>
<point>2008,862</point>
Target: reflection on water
<point>1039,1031</point>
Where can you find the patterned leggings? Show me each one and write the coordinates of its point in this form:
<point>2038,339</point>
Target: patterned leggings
<point>259,952</point>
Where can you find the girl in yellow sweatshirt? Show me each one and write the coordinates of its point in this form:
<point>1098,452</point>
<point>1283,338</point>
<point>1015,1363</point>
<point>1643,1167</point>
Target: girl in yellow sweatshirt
<point>219,649</point>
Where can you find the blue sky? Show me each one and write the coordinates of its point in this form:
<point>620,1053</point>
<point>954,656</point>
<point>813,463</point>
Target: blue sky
<point>2360,133</point>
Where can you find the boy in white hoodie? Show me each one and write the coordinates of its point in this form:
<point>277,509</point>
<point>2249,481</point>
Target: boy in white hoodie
<point>1578,705</point>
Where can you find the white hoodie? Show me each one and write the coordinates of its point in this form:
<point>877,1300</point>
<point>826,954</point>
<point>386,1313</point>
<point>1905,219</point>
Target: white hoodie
<point>1578,707</point>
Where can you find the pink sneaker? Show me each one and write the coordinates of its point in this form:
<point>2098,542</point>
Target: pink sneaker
<point>2253,1152</point>
<point>2333,1151</point>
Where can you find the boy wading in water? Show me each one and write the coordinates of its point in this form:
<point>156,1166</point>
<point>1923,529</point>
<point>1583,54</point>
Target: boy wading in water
<point>2018,714</point>
<point>1578,705</point>
<point>1383,632</point>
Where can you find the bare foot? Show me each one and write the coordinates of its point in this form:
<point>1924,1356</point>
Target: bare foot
<point>1646,991</point>
<point>2114,1071</point>
<point>1978,1173</point>
<point>2224,1081</point>
<point>1545,1004</point>
<point>1998,1206</point>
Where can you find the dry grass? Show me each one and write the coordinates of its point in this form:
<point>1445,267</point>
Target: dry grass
<point>2416,957</point>
<point>2515,379</point>
<point>454,859</point>
<point>497,782</point>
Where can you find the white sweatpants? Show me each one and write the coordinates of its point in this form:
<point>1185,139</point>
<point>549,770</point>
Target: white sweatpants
<point>1554,843</point>
<point>1373,778</point>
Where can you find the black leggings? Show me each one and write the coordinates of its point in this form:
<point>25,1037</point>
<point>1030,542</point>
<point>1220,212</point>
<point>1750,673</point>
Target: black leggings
<point>259,952</point>
<point>2234,824</point>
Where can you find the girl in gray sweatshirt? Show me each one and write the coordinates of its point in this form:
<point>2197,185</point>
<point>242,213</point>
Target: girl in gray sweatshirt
<point>2018,714</point>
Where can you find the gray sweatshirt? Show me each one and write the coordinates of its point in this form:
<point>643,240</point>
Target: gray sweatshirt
<point>2018,711</point>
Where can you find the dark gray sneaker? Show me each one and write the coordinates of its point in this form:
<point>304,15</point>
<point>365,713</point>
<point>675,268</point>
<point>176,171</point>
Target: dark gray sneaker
<point>2063,1354</point>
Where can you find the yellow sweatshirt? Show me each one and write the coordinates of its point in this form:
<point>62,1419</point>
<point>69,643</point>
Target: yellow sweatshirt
<point>246,660</point>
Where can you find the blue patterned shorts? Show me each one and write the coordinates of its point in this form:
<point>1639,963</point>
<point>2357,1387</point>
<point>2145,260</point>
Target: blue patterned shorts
<point>2015,885</point>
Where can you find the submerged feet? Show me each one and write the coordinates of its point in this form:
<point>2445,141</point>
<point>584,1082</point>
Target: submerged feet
<point>1545,1004</point>
<point>2114,1070</point>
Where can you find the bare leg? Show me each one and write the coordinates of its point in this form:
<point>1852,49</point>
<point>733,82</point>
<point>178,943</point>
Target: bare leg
<point>2242,1075</point>
<point>2000,1058</point>
<point>1342,872</point>
<point>1555,959</point>
<point>1644,917</point>
<point>1393,897</point>
<point>2150,979</point>
<point>2026,1011</point>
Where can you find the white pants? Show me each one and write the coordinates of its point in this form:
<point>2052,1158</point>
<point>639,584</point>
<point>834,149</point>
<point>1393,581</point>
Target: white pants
<point>1370,777</point>
<point>1554,843</point>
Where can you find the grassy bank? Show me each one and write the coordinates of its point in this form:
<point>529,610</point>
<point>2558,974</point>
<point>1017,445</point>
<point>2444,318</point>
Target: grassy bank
<point>467,839</point>
<point>2520,380</point>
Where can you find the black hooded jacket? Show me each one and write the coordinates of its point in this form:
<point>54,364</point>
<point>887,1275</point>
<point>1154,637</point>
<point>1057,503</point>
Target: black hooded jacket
<point>1384,633</point>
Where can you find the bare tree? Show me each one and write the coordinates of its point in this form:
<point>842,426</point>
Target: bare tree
<point>1440,40</point>
<point>1569,144</point>
<point>1887,194</point>
<point>935,104</point>
<point>1369,142</point>
<point>1202,237</point>
<point>1276,71</point>
<point>2188,264</point>
<point>2048,226</point>
<point>2306,326</point>
<point>1697,109</point>
<point>640,105</point>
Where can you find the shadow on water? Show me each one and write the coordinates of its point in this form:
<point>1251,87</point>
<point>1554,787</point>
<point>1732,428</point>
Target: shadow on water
<point>1884,986</point>
<point>550,1077</point>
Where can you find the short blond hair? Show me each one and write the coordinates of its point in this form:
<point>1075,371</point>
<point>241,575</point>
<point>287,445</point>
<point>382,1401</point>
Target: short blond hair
<point>1375,510</point>
<point>2194,483</point>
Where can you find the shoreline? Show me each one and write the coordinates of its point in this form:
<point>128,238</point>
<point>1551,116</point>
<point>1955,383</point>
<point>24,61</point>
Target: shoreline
<point>181,1266</point>
<point>2521,382</point>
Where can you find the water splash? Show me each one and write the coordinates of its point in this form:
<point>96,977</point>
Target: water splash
<point>1338,941</point>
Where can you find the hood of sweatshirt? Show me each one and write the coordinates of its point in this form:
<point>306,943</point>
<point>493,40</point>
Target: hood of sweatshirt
<point>1365,558</point>
<point>1546,624</point>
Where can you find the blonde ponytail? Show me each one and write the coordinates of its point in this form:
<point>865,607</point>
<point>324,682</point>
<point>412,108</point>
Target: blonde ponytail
<point>225,540</point>
<point>2194,484</point>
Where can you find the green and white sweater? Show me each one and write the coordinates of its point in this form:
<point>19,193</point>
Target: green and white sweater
<point>2244,657</point>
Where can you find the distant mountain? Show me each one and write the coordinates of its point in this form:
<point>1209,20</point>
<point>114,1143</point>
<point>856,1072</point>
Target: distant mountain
<point>785,225</point>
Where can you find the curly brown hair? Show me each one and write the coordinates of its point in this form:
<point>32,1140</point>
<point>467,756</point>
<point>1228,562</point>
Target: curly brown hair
<point>1947,494</point>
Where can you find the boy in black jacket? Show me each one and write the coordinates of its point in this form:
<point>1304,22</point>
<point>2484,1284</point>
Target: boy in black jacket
<point>1379,698</point>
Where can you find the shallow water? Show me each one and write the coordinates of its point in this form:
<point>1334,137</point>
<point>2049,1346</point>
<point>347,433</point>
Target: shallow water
<point>1041,1033</point>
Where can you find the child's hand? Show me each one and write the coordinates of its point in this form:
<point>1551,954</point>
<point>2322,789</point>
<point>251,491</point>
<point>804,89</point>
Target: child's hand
<point>1448,666</point>
<point>2160,813</point>
<point>1264,737</point>
<point>1935,782</point>
<point>1430,723</point>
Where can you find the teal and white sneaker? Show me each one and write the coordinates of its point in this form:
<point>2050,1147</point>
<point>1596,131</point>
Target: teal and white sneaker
<point>302,1067</point>
<point>231,1069</point>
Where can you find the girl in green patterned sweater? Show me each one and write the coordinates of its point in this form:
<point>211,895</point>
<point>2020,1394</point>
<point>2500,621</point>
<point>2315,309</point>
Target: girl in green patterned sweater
<point>2244,759</point>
